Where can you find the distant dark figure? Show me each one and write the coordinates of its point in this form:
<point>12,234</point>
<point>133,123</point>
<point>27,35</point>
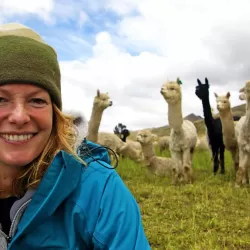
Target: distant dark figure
<point>121,131</point>
<point>214,127</point>
<point>236,117</point>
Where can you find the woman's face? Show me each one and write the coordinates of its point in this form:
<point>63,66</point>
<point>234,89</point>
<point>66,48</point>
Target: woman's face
<point>26,120</point>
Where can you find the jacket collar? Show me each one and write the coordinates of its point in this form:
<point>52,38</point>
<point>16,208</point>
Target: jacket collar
<point>59,181</point>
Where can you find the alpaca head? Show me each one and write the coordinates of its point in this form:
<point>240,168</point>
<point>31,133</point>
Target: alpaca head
<point>223,102</point>
<point>145,137</point>
<point>202,90</point>
<point>124,134</point>
<point>245,92</point>
<point>171,92</point>
<point>102,100</point>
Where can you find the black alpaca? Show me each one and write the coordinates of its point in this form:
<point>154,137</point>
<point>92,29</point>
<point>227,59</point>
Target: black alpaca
<point>122,131</point>
<point>214,127</point>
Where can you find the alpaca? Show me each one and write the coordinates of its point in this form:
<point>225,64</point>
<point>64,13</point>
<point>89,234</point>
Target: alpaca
<point>163,143</point>
<point>121,131</point>
<point>228,127</point>
<point>242,130</point>
<point>134,144</point>
<point>112,141</point>
<point>213,125</point>
<point>132,150</point>
<point>202,143</point>
<point>183,134</point>
<point>80,124</point>
<point>101,102</point>
<point>159,166</point>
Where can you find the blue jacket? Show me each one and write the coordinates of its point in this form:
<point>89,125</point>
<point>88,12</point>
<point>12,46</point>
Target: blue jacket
<point>78,207</point>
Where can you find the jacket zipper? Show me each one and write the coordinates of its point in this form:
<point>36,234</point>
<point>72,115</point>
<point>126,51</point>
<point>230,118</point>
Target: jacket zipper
<point>13,224</point>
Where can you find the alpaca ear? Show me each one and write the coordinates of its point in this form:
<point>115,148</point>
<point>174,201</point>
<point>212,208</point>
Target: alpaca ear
<point>242,90</point>
<point>98,92</point>
<point>242,97</point>
<point>228,95</point>
<point>206,82</point>
<point>215,94</point>
<point>199,82</point>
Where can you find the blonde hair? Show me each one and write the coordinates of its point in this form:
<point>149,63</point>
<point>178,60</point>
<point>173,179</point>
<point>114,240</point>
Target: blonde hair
<point>63,137</point>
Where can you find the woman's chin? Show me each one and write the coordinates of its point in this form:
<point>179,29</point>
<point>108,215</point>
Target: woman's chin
<point>18,161</point>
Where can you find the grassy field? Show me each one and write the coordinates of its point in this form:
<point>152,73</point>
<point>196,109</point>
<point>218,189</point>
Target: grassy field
<point>209,214</point>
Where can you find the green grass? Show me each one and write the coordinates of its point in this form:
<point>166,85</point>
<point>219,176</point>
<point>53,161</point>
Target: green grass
<point>209,214</point>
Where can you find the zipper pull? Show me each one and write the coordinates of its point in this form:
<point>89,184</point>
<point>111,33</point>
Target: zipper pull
<point>8,238</point>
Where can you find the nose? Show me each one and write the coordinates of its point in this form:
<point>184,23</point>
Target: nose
<point>19,115</point>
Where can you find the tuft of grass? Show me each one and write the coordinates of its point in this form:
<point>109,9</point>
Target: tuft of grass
<point>208,214</point>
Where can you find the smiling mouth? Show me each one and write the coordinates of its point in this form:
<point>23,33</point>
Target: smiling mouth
<point>17,138</point>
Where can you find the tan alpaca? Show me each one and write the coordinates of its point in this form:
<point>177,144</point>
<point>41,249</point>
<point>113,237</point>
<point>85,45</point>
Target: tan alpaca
<point>112,141</point>
<point>202,143</point>
<point>101,102</point>
<point>183,135</point>
<point>228,127</point>
<point>163,143</point>
<point>160,166</point>
<point>242,130</point>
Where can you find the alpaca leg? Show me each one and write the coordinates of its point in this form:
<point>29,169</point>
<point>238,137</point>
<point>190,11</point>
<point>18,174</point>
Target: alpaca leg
<point>235,158</point>
<point>187,166</point>
<point>242,170</point>
<point>177,173</point>
<point>222,160</point>
<point>215,160</point>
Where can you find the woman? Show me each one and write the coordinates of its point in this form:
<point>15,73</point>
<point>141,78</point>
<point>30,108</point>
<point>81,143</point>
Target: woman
<point>51,199</point>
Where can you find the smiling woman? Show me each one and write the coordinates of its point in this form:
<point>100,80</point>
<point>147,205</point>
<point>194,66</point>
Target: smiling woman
<point>49,197</point>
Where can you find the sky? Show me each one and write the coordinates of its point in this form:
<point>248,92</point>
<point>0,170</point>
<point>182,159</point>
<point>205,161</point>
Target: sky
<point>129,48</point>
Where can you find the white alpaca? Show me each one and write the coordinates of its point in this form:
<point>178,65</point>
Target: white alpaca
<point>101,102</point>
<point>242,130</point>
<point>183,135</point>
<point>80,124</point>
<point>228,127</point>
<point>160,166</point>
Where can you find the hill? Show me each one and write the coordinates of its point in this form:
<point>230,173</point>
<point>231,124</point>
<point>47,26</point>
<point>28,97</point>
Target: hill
<point>197,120</point>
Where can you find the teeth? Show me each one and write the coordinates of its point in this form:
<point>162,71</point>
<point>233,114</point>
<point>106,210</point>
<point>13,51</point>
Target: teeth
<point>17,137</point>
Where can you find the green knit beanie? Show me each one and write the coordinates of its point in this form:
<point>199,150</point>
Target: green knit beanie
<point>26,58</point>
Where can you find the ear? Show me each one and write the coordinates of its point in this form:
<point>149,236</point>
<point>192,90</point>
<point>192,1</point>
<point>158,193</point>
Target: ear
<point>228,95</point>
<point>199,82</point>
<point>242,90</point>
<point>98,92</point>
<point>242,97</point>
<point>206,82</point>
<point>215,94</point>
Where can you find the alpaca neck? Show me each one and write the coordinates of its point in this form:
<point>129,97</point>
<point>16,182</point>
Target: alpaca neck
<point>175,119</point>
<point>208,117</point>
<point>94,124</point>
<point>247,119</point>
<point>227,122</point>
<point>148,151</point>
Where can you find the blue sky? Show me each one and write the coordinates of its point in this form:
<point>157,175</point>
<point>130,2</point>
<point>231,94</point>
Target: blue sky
<point>129,48</point>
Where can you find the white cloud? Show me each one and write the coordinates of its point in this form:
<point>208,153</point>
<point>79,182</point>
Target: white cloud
<point>10,8</point>
<point>153,41</point>
<point>82,18</point>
